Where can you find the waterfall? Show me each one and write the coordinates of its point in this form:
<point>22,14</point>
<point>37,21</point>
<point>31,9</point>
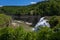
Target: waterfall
<point>41,23</point>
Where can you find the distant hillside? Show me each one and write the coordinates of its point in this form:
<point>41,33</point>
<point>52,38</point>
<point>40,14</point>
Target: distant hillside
<point>49,8</point>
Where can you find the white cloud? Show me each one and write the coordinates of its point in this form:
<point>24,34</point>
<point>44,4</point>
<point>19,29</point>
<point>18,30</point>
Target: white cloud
<point>33,2</point>
<point>1,5</point>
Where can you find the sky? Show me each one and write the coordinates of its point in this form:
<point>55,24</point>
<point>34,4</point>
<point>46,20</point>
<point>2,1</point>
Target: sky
<point>17,2</point>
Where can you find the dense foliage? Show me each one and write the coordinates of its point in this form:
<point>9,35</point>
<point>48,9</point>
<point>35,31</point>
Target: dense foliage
<point>9,33</point>
<point>50,7</point>
<point>4,20</point>
<point>53,21</point>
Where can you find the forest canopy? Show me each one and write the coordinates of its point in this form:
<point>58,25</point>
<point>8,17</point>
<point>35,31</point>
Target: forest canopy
<point>49,8</point>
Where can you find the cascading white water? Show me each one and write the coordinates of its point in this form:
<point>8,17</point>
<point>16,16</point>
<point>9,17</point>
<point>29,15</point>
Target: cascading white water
<point>42,22</point>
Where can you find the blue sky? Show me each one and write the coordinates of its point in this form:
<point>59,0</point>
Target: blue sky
<point>17,2</point>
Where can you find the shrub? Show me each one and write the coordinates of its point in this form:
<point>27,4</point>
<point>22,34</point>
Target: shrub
<point>53,21</point>
<point>4,20</point>
<point>10,33</point>
<point>44,33</point>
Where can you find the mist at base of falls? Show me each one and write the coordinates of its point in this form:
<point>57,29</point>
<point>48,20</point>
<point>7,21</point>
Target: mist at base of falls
<point>41,23</point>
